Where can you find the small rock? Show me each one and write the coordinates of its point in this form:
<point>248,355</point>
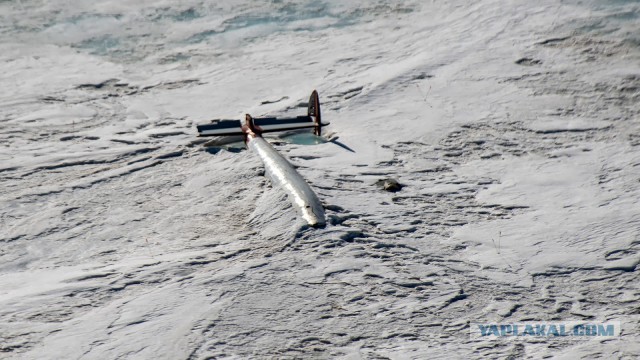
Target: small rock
<point>391,185</point>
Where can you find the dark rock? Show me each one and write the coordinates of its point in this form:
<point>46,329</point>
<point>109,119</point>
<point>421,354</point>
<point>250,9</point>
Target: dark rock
<point>390,184</point>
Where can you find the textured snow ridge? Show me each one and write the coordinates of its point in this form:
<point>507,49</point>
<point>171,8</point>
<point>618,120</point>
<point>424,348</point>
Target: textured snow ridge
<point>512,126</point>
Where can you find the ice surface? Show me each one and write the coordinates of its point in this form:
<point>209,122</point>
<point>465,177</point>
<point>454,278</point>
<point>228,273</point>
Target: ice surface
<point>512,126</point>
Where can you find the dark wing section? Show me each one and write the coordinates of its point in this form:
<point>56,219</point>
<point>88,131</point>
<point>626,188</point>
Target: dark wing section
<point>220,128</point>
<point>268,124</point>
<point>271,124</point>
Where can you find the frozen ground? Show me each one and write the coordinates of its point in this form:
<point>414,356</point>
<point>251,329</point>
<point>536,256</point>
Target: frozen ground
<point>514,127</point>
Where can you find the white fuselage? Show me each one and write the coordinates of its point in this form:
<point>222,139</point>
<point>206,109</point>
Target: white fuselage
<point>284,175</point>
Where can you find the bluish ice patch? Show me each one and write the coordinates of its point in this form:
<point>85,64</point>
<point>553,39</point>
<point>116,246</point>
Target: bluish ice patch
<point>303,138</point>
<point>96,32</point>
<point>186,15</point>
<point>615,19</point>
<point>102,45</point>
<point>202,36</point>
<point>132,35</point>
<point>111,47</point>
<point>293,18</point>
<point>79,22</point>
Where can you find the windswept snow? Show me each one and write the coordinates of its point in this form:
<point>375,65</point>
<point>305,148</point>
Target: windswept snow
<point>512,126</point>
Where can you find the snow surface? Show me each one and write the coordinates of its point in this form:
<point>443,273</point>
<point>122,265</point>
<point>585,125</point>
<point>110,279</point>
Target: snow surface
<point>513,127</point>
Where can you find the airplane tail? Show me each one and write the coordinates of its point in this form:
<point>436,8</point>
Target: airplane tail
<point>224,127</point>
